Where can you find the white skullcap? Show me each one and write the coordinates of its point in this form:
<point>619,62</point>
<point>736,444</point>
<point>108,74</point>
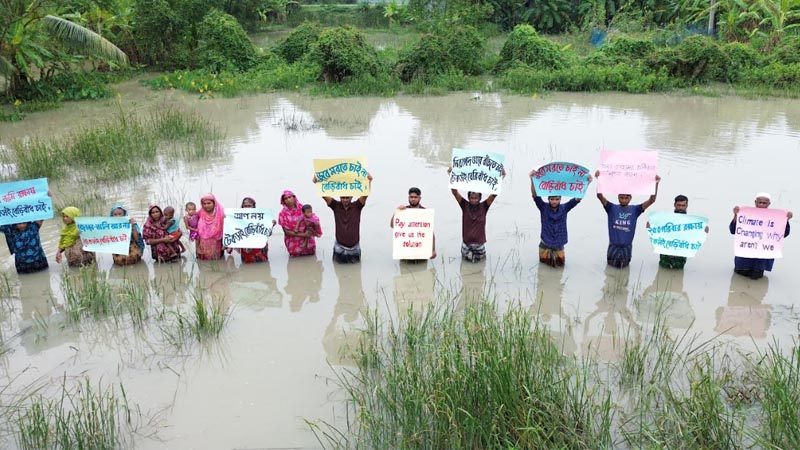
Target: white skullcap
<point>764,195</point>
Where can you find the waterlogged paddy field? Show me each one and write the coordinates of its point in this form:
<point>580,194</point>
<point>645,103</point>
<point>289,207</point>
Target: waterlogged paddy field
<point>269,371</point>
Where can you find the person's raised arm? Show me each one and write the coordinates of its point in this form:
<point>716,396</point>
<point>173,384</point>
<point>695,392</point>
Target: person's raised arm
<point>533,185</point>
<point>732,226</point>
<point>652,198</point>
<point>456,194</point>
<point>600,196</point>
<point>328,200</point>
<point>492,197</point>
<point>363,198</point>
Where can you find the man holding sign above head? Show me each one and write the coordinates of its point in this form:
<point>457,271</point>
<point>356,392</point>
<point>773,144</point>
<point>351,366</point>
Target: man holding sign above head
<point>347,217</point>
<point>622,219</point>
<point>759,236</point>
<point>554,220</point>
<point>473,221</point>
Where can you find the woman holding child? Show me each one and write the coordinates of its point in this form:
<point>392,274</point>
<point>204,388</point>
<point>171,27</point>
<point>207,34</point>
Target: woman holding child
<point>300,226</point>
<point>136,248</point>
<point>163,247</point>
<point>209,228</point>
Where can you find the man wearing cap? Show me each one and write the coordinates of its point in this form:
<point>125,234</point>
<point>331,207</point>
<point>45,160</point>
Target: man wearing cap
<point>754,268</point>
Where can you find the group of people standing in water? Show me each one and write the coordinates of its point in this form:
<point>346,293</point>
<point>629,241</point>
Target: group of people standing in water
<point>301,226</point>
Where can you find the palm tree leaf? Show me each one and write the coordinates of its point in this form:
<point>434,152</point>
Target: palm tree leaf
<point>6,68</point>
<point>83,38</point>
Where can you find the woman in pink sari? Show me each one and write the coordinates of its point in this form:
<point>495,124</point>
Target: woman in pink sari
<point>299,241</point>
<point>209,228</point>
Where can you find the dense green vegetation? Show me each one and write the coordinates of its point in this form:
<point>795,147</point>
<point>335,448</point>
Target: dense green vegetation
<point>468,377</point>
<point>592,45</point>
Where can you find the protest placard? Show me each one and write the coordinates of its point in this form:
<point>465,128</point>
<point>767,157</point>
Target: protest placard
<point>758,232</point>
<point>105,234</point>
<point>343,177</point>
<point>476,171</point>
<point>677,234</point>
<point>627,172</point>
<point>25,201</point>
<point>247,227</point>
<point>561,179</point>
<point>413,234</point>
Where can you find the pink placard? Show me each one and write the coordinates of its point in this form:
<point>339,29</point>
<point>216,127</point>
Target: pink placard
<point>627,172</point>
<point>759,232</point>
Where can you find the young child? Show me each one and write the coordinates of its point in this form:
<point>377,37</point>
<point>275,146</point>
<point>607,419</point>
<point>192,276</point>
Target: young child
<point>69,242</point>
<point>190,220</point>
<point>310,224</point>
<point>170,225</point>
<point>26,246</point>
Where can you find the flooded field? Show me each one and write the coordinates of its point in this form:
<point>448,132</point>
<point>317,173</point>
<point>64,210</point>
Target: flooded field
<point>270,369</point>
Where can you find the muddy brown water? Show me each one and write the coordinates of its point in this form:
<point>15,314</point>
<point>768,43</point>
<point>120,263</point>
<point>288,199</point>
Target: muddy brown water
<point>291,317</point>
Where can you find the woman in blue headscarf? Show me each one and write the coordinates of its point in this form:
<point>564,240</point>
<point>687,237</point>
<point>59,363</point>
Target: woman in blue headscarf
<point>137,242</point>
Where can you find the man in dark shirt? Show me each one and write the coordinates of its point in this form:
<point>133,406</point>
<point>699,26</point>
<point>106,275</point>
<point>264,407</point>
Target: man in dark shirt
<point>473,222</point>
<point>554,225</point>
<point>622,225</point>
<point>347,217</point>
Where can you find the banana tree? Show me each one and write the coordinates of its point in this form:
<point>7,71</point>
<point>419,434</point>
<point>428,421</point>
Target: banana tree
<point>27,35</point>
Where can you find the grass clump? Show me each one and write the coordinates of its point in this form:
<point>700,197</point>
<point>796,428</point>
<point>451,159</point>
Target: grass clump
<point>299,42</point>
<point>621,77</point>
<point>780,397</point>
<point>86,294</point>
<point>205,319</point>
<point>83,417</point>
<point>119,148</point>
<point>524,46</point>
<point>441,380</point>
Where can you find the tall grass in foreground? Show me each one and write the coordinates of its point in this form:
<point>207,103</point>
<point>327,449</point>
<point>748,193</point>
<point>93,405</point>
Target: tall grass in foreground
<point>480,379</point>
<point>83,417</point>
<point>441,380</point>
<point>121,147</point>
<point>205,319</point>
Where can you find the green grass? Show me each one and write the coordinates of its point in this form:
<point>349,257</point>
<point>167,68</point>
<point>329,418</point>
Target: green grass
<point>205,319</point>
<point>478,378</point>
<point>87,294</point>
<point>82,417</point>
<point>122,147</point>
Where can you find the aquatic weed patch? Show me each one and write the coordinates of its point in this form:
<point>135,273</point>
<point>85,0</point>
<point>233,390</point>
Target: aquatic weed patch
<point>122,147</point>
<point>81,417</point>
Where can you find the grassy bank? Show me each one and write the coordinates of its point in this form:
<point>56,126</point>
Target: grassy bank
<point>345,61</point>
<point>479,379</point>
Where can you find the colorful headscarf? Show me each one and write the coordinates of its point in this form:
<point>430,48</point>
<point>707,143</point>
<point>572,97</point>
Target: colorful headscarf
<point>69,234</point>
<point>288,217</point>
<point>210,225</point>
<point>140,241</point>
<point>150,223</point>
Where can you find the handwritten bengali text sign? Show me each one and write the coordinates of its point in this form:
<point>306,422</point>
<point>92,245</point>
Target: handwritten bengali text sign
<point>677,234</point>
<point>561,179</point>
<point>344,177</point>
<point>25,201</point>
<point>105,234</point>
<point>758,232</point>
<point>413,233</point>
<point>627,172</point>
<point>476,171</point>
<point>247,227</point>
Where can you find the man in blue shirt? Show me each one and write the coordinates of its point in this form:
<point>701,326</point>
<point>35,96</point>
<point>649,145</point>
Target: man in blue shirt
<point>622,225</point>
<point>554,225</point>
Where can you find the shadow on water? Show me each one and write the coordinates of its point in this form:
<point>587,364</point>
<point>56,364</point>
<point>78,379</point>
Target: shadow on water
<point>303,281</point>
<point>548,306</point>
<point>342,333</point>
<point>666,300</point>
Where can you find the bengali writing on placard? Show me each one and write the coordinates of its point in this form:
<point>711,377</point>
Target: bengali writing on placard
<point>105,234</point>
<point>561,179</point>
<point>343,177</point>
<point>676,234</point>
<point>247,227</point>
<point>627,172</point>
<point>476,171</point>
<point>25,201</point>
